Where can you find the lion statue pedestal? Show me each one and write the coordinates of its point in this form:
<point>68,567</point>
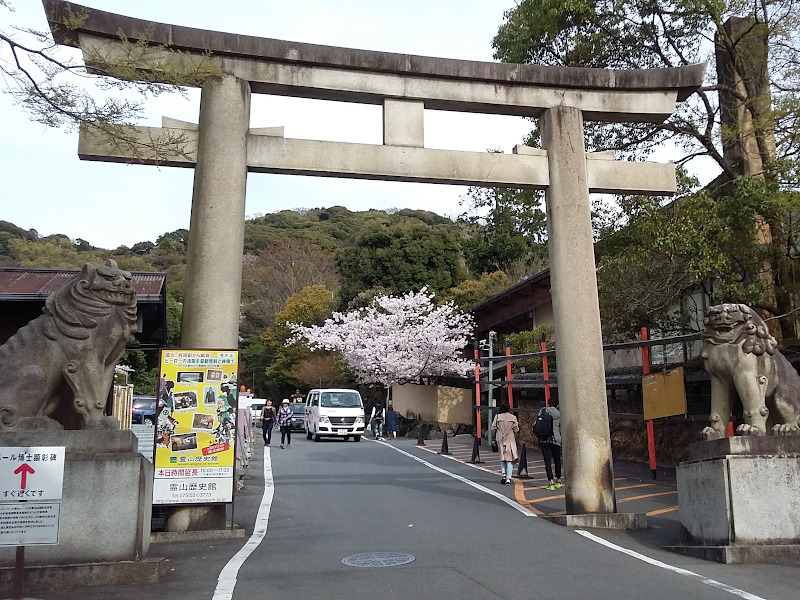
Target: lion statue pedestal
<point>739,500</point>
<point>106,507</point>
<point>739,497</point>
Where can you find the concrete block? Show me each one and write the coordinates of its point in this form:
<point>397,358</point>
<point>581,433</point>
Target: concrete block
<point>741,501</point>
<point>776,554</point>
<point>167,537</point>
<point>602,521</point>
<point>81,441</point>
<point>403,123</point>
<point>59,577</point>
<point>746,445</point>
<point>107,499</point>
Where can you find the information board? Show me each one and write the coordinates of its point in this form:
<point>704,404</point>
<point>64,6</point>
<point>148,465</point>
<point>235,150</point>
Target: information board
<point>29,523</point>
<point>664,394</point>
<point>195,434</point>
<point>31,487</point>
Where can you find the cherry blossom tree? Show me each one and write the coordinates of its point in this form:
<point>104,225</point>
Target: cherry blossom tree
<point>395,340</point>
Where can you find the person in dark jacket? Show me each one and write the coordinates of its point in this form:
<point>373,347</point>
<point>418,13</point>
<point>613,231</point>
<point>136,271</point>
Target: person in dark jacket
<point>268,420</point>
<point>551,448</point>
<point>391,422</point>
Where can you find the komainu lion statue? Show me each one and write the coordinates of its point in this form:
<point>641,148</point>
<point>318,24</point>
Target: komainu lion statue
<point>80,338</point>
<point>742,359</point>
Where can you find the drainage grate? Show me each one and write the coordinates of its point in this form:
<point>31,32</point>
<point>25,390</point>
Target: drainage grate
<point>378,559</point>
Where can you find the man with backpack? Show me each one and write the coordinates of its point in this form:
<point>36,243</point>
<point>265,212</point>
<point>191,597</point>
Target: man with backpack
<point>376,420</point>
<point>547,429</point>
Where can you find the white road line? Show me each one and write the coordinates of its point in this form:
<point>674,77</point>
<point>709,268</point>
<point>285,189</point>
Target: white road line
<point>691,574</point>
<point>227,577</point>
<point>497,495</point>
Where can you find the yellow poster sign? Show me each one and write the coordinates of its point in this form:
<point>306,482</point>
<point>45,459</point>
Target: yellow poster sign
<point>664,394</point>
<point>196,427</point>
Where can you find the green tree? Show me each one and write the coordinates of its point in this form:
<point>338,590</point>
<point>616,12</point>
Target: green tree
<point>530,342</point>
<point>401,258</point>
<point>311,306</point>
<point>473,291</point>
<point>744,118</point>
<point>505,228</point>
<point>279,271</point>
<point>53,253</point>
<point>145,375</point>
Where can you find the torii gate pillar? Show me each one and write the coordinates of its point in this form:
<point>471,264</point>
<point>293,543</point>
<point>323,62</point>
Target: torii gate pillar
<point>213,283</point>
<point>576,317</point>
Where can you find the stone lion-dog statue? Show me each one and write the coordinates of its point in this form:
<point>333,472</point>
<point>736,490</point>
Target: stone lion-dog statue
<point>81,336</point>
<point>743,360</point>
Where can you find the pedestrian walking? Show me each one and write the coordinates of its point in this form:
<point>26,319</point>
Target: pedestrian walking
<point>376,420</point>
<point>391,422</point>
<point>268,419</point>
<point>285,422</point>
<point>504,426</point>
<point>547,429</point>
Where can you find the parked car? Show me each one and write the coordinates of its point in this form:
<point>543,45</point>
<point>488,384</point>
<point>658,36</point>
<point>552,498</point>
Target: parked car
<point>299,416</point>
<point>143,410</point>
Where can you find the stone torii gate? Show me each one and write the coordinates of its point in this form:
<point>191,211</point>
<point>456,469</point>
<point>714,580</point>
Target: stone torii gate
<point>223,149</point>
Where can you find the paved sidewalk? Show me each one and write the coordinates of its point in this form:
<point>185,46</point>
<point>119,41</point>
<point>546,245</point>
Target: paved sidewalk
<point>636,491</point>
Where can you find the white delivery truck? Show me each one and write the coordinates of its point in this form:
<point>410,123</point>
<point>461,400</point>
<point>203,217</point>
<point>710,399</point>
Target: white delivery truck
<point>334,413</point>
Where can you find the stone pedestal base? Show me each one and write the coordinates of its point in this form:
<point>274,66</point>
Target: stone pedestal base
<point>739,499</point>
<point>107,500</point>
<point>602,521</point>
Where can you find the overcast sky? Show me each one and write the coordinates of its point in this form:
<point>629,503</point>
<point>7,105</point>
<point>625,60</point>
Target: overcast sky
<point>45,187</point>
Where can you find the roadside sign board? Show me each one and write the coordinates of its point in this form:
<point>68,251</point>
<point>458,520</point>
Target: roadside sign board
<point>32,473</point>
<point>195,435</point>
<point>31,489</point>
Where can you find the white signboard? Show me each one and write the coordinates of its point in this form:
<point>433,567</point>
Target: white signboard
<point>173,489</point>
<point>29,523</point>
<point>33,473</point>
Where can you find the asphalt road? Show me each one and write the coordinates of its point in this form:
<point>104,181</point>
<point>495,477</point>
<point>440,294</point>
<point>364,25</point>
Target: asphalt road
<point>329,500</point>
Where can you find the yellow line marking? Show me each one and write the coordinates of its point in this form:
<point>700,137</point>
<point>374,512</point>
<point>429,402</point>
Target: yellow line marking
<point>661,511</point>
<point>546,498</point>
<point>645,496</point>
<point>630,487</point>
<point>519,496</point>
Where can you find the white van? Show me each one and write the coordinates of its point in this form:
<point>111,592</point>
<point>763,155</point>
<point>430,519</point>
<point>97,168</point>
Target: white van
<point>334,413</point>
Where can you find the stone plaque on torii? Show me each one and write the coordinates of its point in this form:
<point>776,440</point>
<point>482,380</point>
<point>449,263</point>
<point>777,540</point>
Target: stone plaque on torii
<point>223,149</point>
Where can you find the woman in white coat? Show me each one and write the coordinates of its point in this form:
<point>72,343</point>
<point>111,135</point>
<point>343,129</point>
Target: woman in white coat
<point>504,426</point>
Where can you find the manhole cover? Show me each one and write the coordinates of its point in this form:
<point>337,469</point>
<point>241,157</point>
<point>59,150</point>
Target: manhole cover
<point>378,559</point>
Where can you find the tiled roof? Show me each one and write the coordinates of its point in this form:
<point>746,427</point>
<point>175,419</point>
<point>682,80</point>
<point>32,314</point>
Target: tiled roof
<point>37,284</point>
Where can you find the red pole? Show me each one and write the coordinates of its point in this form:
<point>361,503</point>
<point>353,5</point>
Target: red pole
<point>651,437</point>
<point>508,375</point>
<point>477,391</point>
<point>546,374</point>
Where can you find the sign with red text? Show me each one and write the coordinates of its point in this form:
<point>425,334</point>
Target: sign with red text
<point>31,488</point>
<point>32,473</point>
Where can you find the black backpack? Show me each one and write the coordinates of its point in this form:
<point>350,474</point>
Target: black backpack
<point>543,426</point>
